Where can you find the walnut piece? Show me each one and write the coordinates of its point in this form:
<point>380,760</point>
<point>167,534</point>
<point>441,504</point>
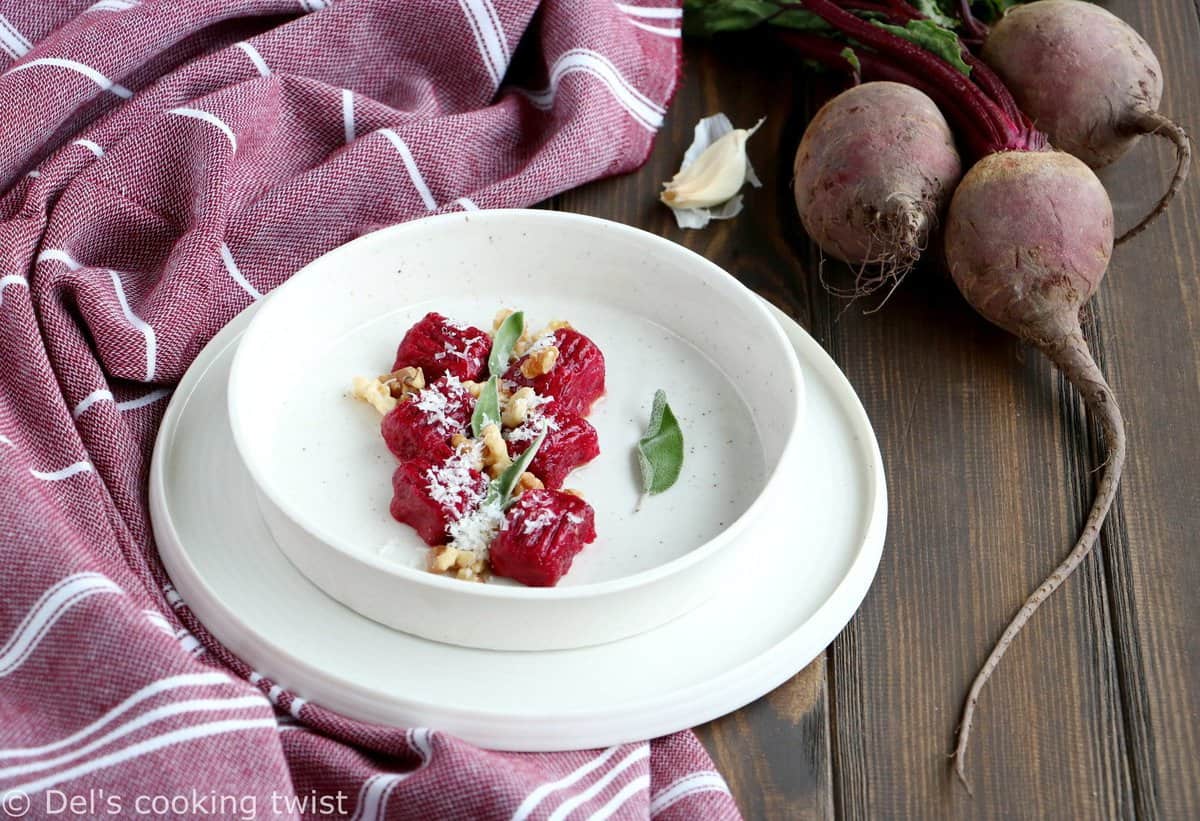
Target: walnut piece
<point>539,363</point>
<point>495,450</point>
<point>404,382</point>
<point>473,388</point>
<point>463,564</point>
<point>442,559</point>
<point>375,393</point>
<point>517,407</point>
<point>529,482</point>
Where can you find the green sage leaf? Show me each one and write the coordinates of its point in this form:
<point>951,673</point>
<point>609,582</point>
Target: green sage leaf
<point>501,488</point>
<point>487,407</point>
<point>506,337</point>
<point>933,38</point>
<point>660,451</point>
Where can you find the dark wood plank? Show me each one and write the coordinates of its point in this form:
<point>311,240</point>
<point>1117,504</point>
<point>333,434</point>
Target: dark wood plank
<point>1149,318</point>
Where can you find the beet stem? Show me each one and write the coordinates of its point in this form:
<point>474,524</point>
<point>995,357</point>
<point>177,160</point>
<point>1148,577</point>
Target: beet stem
<point>875,66</point>
<point>973,104</point>
<point>1155,124</point>
<point>976,29</point>
<point>1072,357</point>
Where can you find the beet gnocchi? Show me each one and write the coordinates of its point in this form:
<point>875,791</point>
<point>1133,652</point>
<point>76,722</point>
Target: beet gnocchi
<point>486,428</point>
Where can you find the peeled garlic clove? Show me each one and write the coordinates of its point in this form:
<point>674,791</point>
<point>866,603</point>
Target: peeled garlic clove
<point>714,177</point>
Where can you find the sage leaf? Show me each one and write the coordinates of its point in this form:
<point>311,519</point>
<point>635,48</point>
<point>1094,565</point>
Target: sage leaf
<point>487,407</point>
<point>660,451</point>
<point>501,488</point>
<point>506,337</point>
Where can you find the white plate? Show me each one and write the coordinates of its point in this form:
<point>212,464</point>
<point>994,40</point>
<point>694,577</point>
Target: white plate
<point>664,316</point>
<point>740,644</point>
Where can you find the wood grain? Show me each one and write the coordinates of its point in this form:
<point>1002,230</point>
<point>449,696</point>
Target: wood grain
<point>1150,327</point>
<point>990,463</point>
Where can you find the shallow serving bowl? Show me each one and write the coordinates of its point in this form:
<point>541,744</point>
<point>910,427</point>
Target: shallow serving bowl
<point>664,318</point>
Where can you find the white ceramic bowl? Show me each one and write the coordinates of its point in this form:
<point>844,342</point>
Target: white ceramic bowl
<point>664,317</point>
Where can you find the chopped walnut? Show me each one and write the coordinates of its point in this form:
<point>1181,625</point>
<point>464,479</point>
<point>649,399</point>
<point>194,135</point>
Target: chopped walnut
<point>473,388</point>
<point>529,482</point>
<point>404,382</point>
<point>539,362</point>
<point>517,407</point>
<point>495,450</point>
<point>463,564</point>
<point>442,559</point>
<point>375,393</point>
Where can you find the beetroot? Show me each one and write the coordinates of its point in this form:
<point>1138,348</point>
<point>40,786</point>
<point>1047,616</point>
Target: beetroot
<point>1050,218</point>
<point>430,495</point>
<point>577,378</point>
<point>542,533</point>
<point>438,346</point>
<point>423,425</point>
<point>570,442</point>
<point>1089,81</point>
<point>873,175</point>
<point>1028,239</point>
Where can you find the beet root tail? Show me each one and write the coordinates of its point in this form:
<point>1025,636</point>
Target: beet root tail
<point>1158,125</point>
<point>1071,355</point>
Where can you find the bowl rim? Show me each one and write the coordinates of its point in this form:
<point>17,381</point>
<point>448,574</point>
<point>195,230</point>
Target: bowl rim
<point>703,267</point>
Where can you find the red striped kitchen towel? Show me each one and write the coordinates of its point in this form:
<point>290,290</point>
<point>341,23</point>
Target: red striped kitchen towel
<point>162,164</point>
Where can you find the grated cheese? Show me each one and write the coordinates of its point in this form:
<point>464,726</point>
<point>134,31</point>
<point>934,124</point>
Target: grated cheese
<point>436,404</point>
<point>535,422</point>
<point>544,341</point>
<point>535,524</point>
<point>454,485</point>
<point>476,531</point>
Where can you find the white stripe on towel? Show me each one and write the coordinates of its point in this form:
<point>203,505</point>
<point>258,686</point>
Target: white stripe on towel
<point>647,112</point>
<point>255,57</point>
<point>145,747</point>
<point>78,67</point>
<point>410,165</point>
<point>140,324</point>
<point>210,118</point>
<point>45,613</point>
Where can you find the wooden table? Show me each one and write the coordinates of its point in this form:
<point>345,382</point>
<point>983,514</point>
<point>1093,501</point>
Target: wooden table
<point>990,461</point>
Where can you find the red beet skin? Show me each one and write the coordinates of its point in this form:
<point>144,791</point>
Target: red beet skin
<point>570,442</point>
<point>577,378</point>
<point>422,426</point>
<point>540,537</point>
<point>438,346</point>
<point>429,496</point>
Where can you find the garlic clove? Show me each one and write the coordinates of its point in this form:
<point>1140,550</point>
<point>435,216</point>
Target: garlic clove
<point>713,178</point>
<point>714,169</point>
